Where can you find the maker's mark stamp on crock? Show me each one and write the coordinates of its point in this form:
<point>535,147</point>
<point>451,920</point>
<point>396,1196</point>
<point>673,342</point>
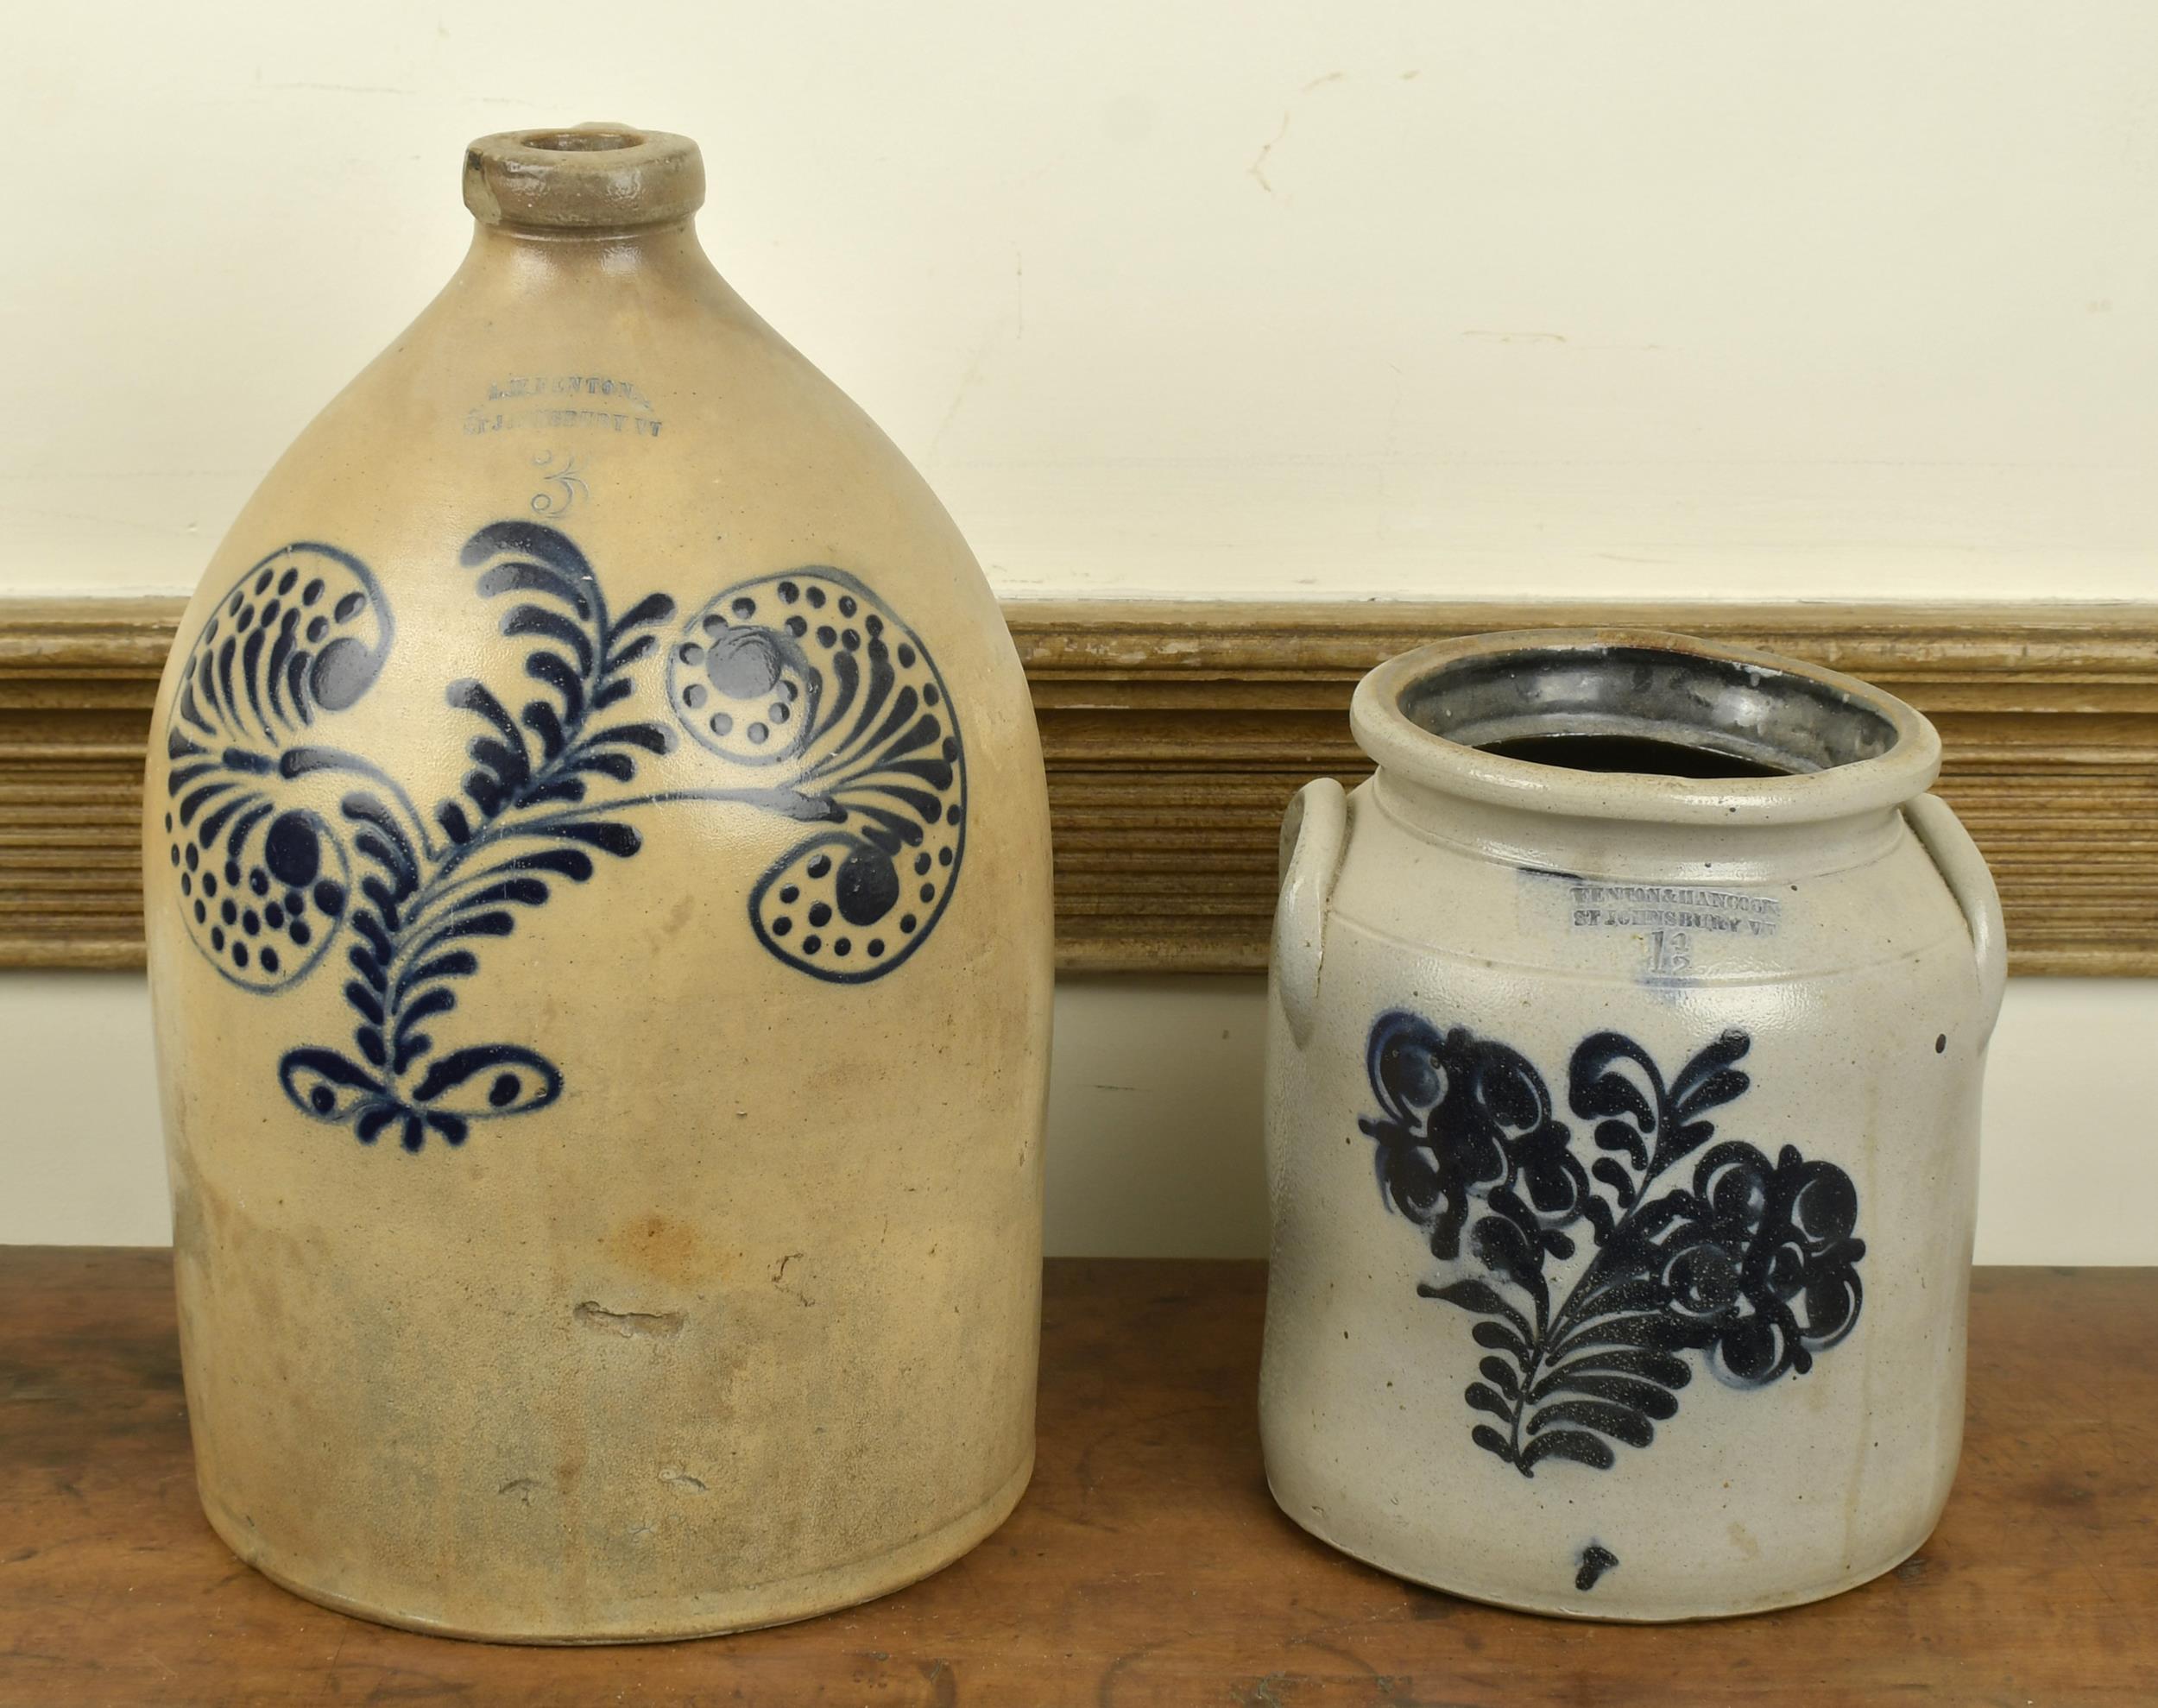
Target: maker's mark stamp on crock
<point>1600,905</point>
<point>1665,926</point>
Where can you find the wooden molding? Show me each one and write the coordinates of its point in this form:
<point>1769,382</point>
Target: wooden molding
<point>1176,731</point>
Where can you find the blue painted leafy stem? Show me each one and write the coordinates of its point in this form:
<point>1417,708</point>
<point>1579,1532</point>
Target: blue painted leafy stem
<point>841,725</point>
<point>522,821</point>
<point>1749,1263</point>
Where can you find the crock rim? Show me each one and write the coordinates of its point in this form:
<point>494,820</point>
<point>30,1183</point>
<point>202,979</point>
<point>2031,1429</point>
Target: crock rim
<point>1407,750</point>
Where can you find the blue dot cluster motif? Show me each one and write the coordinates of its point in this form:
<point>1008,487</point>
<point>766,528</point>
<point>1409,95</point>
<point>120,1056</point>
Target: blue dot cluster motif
<point>805,699</point>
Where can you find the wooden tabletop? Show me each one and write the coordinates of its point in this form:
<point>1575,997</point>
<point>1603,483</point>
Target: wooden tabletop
<point>1146,1564</point>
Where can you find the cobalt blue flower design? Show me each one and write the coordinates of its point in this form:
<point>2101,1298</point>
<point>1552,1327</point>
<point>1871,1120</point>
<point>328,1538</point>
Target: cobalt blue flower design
<point>1750,1262</point>
<point>808,697</point>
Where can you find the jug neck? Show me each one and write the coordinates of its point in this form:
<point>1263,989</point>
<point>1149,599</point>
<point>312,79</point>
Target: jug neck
<point>521,258</point>
<point>593,206</point>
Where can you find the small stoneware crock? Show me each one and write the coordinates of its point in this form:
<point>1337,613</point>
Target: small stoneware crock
<point>597,896</point>
<point>1624,1064</point>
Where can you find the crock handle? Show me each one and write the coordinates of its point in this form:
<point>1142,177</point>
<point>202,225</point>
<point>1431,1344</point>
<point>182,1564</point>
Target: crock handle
<point>1941,833</point>
<point>1312,832</point>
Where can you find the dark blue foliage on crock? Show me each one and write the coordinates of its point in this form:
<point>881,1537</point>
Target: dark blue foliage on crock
<point>1709,1249</point>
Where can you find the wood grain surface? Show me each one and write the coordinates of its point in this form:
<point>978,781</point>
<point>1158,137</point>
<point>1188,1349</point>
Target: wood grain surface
<point>1145,1565</point>
<point>1174,733</point>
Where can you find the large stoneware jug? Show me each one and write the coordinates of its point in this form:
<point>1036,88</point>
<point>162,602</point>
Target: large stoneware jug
<point>597,881</point>
<point>1624,1065</point>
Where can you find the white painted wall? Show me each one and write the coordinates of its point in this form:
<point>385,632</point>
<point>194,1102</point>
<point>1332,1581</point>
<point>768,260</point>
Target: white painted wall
<point>1153,1124</point>
<point>1473,296</point>
<point>1440,297</point>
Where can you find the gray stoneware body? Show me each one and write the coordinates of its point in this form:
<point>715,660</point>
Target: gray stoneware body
<point>1622,1132</point>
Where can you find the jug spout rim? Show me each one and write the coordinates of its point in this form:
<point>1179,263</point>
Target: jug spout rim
<point>583,177</point>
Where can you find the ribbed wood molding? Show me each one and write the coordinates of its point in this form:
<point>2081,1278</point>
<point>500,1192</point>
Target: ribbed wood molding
<point>1176,731</point>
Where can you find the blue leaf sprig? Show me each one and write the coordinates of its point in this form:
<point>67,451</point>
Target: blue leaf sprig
<point>806,698</point>
<point>1749,1263</point>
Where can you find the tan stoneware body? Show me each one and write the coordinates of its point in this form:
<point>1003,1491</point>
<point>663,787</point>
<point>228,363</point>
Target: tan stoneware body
<point>1623,1130</point>
<point>605,1128</point>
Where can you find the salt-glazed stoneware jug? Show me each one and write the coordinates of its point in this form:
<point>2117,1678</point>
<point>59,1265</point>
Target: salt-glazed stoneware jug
<point>1623,1080</point>
<point>598,903</point>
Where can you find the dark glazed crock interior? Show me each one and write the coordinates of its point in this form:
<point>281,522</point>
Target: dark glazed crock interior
<point>1646,710</point>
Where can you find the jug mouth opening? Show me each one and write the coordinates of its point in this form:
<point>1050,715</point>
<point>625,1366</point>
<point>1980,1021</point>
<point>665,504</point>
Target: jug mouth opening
<point>1638,724</point>
<point>583,179</point>
<point>589,139</point>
